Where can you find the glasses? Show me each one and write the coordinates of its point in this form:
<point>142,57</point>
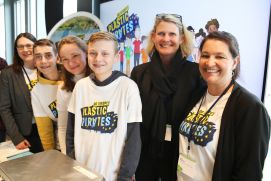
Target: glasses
<point>164,15</point>
<point>21,47</point>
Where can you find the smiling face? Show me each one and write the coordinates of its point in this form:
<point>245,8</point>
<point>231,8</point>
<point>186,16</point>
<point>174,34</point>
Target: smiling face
<point>167,39</point>
<point>101,57</point>
<point>73,58</point>
<point>25,51</point>
<point>45,59</point>
<point>212,28</point>
<point>216,64</point>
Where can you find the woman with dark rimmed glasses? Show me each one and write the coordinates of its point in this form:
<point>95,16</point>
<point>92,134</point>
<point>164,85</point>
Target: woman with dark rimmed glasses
<point>16,82</point>
<point>166,84</point>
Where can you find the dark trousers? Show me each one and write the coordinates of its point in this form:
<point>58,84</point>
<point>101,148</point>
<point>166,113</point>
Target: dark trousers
<point>34,140</point>
<point>2,131</point>
<point>154,169</point>
<point>2,136</point>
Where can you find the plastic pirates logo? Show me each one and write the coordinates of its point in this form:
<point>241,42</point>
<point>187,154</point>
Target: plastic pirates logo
<point>53,109</point>
<point>201,131</point>
<point>97,118</point>
<point>124,25</point>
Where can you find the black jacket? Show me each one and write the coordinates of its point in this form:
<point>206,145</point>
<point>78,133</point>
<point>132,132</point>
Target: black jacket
<point>15,105</point>
<point>188,84</point>
<point>243,138</point>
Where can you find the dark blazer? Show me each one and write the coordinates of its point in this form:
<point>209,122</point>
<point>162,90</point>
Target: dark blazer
<point>15,105</point>
<point>3,64</point>
<point>189,84</point>
<point>243,138</point>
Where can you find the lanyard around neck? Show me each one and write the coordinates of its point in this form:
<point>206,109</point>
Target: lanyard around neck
<point>194,128</point>
<point>27,77</point>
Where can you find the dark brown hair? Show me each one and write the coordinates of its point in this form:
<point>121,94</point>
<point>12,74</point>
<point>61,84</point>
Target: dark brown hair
<point>17,61</point>
<point>232,43</point>
<point>212,22</point>
<point>45,42</point>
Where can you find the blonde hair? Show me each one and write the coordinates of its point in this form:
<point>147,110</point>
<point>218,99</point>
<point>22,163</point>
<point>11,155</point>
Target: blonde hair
<point>104,35</point>
<point>186,46</point>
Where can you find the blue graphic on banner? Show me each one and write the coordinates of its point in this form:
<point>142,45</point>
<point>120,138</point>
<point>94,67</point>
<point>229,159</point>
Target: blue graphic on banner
<point>124,25</point>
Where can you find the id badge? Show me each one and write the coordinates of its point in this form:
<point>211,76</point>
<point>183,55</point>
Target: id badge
<point>168,134</point>
<point>186,166</point>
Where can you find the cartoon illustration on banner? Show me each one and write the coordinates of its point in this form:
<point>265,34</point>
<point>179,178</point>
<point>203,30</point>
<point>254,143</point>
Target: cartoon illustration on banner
<point>126,27</point>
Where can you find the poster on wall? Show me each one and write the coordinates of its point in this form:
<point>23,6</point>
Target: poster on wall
<point>131,21</point>
<point>81,24</point>
<point>132,44</point>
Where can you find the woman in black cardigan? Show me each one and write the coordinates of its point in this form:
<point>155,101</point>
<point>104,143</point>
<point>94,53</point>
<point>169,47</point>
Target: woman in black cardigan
<point>166,84</point>
<point>225,136</point>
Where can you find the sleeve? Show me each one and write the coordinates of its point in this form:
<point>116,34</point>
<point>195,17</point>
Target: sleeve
<point>62,119</point>
<point>44,123</point>
<point>46,132</point>
<point>132,148</point>
<point>6,112</point>
<point>131,152</point>
<point>72,102</point>
<point>70,126</point>
<point>70,136</point>
<point>134,104</point>
<point>252,135</point>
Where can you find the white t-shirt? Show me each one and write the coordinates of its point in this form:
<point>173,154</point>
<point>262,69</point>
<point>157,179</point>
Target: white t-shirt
<point>204,141</point>
<point>44,98</point>
<point>63,99</point>
<point>101,117</point>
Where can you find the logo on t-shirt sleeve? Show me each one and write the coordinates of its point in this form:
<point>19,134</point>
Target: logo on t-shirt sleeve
<point>97,118</point>
<point>53,109</point>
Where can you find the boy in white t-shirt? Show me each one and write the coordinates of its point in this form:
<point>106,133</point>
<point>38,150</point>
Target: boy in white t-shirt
<point>104,115</point>
<point>43,95</point>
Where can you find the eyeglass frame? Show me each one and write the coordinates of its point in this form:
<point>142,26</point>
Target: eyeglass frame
<point>163,15</point>
<point>28,46</point>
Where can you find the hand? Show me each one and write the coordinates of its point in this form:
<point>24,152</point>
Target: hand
<point>24,144</point>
